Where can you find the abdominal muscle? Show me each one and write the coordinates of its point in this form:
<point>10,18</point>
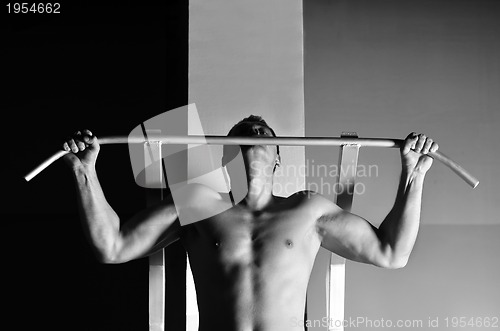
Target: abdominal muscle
<point>250,277</point>
<point>248,298</point>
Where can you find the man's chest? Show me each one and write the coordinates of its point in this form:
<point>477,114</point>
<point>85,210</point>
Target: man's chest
<point>235,237</point>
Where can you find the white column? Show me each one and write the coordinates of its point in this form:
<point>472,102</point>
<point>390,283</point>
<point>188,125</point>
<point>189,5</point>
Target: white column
<point>246,57</point>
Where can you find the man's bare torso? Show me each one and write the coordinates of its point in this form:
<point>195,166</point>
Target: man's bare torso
<point>251,269</point>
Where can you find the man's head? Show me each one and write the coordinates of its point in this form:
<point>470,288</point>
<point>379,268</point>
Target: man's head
<point>251,126</point>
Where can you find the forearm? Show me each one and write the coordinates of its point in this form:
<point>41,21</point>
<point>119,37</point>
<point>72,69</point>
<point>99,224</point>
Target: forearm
<point>398,231</point>
<point>100,221</point>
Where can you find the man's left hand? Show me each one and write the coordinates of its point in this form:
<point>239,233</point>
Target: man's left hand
<point>414,150</point>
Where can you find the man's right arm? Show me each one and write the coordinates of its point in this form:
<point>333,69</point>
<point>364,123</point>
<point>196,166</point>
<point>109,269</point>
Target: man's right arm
<point>149,230</point>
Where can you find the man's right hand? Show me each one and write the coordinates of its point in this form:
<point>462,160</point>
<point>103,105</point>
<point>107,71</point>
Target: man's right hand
<point>83,148</point>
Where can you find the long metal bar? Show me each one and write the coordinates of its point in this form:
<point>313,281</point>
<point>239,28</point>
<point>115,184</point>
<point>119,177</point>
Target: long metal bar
<point>282,141</point>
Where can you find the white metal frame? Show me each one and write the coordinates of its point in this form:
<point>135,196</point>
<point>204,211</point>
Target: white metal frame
<point>326,291</point>
<point>331,267</point>
<point>157,286</point>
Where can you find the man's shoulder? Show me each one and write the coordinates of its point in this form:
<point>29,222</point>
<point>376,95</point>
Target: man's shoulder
<point>301,198</point>
<point>198,202</point>
<point>196,196</point>
<point>313,199</point>
<point>196,191</point>
<point>305,196</point>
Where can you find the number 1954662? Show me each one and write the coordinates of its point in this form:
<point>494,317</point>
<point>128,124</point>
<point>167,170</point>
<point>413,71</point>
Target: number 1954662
<point>34,8</point>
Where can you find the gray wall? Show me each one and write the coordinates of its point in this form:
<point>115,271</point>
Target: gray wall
<point>384,69</point>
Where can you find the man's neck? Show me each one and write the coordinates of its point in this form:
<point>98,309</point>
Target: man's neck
<point>260,192</point>
<point>253,188</point>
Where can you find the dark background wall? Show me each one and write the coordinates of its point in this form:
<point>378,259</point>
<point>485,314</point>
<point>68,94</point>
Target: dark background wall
<point>98,66</point>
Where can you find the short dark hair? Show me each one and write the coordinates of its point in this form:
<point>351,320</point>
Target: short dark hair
<point>255,119</point>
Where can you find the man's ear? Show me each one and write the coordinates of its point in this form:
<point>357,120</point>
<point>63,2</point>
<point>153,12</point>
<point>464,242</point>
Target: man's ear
<point>277,163</point>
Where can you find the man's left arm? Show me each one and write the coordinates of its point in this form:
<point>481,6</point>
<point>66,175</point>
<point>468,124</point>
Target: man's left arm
<point>390,245</point>
<point>399,229</point>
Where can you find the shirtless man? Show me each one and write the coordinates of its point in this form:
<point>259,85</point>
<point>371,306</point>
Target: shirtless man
<point>251,262</point>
